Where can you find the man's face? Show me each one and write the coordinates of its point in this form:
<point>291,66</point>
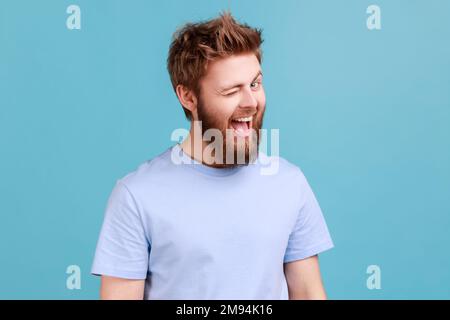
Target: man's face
<point>232,99</point>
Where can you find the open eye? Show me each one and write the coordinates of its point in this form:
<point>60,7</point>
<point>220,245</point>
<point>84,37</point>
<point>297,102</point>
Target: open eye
<point>256,84</point>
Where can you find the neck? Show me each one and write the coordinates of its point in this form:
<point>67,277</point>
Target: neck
<point>194,145</point>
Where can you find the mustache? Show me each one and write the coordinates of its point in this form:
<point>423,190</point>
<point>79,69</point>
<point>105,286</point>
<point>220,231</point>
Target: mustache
<point>243,115</point>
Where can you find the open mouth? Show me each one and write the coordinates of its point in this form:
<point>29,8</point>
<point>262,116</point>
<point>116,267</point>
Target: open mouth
<point>242,126</point>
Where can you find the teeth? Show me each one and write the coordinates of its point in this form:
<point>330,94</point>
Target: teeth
<point>244,119</point>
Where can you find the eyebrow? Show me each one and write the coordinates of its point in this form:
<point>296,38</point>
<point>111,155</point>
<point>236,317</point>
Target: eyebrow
<point>222,89</point>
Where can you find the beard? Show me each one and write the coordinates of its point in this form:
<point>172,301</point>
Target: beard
<point>235,150</point>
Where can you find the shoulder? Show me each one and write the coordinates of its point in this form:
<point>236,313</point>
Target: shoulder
<point>278,166</point>
<point>148,172</point>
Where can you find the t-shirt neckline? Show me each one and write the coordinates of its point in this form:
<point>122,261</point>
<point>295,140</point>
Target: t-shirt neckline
<point>186,160</point>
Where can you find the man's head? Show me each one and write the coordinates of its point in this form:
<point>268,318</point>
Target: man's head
<point>215,69</point>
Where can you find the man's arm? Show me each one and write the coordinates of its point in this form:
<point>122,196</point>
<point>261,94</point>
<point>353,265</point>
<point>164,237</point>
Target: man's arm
<point>304,279</point>
<point>113,288</point>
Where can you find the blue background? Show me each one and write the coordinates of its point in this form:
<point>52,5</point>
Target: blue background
<point>364,113</point>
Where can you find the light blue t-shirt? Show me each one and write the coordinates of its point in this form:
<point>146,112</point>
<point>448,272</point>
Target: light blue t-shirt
<point>197,232</point>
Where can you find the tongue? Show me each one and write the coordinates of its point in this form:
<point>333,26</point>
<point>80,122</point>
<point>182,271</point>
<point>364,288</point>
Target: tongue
<point>239,125</point>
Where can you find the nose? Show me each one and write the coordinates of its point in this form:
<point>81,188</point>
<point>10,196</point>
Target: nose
<point>248,99</point>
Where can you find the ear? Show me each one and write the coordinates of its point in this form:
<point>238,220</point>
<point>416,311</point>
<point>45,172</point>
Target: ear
<point>187,99</point>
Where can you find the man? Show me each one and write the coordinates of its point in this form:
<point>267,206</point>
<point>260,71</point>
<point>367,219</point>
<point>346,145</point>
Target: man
<point>191,224</point>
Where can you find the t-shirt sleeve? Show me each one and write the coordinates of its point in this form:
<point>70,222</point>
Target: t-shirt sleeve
<point>123,247</point>
<point>310,235</point>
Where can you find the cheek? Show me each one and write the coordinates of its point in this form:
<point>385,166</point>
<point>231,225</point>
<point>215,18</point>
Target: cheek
<point>219,108</point>
<point>227,108</point>
<point>261,100</point>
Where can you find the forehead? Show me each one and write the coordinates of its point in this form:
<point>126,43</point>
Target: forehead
<point>230,70</point>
